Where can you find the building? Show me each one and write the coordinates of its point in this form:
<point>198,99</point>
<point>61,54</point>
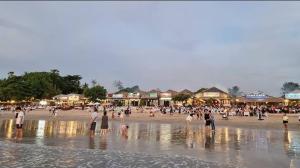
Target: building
<point>293,97</point>
<point>212,96</point>
<point>187,92</point>
<point>69,99</point>
<point>124,98</point>
<point>150,98</point>
<point>165,99</point>
<point>258,98</point>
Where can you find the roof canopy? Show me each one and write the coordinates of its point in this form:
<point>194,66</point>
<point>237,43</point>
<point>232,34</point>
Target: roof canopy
<point>214,89</point>
<point>267,99</point>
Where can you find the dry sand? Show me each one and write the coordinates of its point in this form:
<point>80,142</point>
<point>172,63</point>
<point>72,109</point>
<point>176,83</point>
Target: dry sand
<point>274,121</point>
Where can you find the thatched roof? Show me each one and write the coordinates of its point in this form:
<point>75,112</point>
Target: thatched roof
<point>214,89</point>
<point>186,91</point>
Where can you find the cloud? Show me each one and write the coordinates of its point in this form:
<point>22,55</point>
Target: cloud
<point>156,44</point>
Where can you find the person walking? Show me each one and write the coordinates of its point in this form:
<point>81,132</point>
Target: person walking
<point>93,118</point>
<point>207,119</point>
<point>104,124</point>
<point>212,121</point>
<point>19,122</point>
<point>189,119</point>
<point>285,121</point>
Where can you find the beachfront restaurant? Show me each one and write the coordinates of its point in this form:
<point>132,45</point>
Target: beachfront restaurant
<point>124,99</point>
<point>292,98</point>
<point>213,95</point>
<point>133,99</point>
<point>118,99</point>
<point>259,98</point>
<point>165,99</point>
<point>69,99</point>
<point>150,98</point>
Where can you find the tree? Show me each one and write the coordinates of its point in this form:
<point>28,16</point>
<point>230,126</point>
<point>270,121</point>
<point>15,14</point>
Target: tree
<point>95,93</point>
<point>133,89</point>
<point>118,84</point>
<point>85,86</point>
<point>94,83</point>
<point>289,87</point>
<point>71,84</point>
<point>10,74</point>
<point>234,91</point>
<point>181,97</point>
<point>39,85</point>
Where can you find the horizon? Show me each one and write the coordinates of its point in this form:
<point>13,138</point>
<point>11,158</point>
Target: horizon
<point>152,45</point>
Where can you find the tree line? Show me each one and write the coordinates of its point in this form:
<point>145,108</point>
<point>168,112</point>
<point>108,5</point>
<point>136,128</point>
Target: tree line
<point>45,85</point>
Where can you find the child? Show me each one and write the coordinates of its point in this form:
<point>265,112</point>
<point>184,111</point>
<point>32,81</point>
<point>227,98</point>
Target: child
<point>285,120</point>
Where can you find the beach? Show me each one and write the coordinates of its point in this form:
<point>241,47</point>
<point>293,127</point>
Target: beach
<point>161,141</point>
<point>273,121</point>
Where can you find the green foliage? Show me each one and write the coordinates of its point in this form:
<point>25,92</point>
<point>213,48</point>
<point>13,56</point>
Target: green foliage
<point>133,89</point>
<point>181,97</point>
<point>95,93</point>
<point>118,84</point>
<point>38,85</point>
<point>234,91</point>
<point>289,87</point>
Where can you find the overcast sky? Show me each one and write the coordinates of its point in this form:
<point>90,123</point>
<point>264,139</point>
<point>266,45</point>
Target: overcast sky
<point>166,45</point>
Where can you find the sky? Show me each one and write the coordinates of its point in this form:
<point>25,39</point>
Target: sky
<point>166,45</point>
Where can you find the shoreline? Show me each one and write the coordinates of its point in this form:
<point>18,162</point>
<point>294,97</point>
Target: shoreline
<point>274,121</point>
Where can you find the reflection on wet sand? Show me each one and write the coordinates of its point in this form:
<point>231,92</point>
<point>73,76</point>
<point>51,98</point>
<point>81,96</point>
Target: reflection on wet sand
<point>229,143</point>
<point>44,128</point>
<point>92,143</point>
<point>103,143</point>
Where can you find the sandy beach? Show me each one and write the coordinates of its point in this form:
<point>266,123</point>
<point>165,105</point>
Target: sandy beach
<point>273,121</point>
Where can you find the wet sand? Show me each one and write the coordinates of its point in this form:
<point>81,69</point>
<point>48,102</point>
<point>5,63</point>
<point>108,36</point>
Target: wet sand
<point>147,144</point>
<point>273,121</point>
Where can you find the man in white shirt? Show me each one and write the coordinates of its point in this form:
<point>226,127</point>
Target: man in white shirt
<point>19,122</point>
<point>189,118</point>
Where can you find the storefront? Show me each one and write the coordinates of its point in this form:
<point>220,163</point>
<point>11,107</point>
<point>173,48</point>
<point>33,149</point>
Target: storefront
<point>165,99</point>
<point>119,99</point>
<point>212,96</point>
<point>150,99</point>
<point>259,98</point>
<point>292,98</point>
<point>69,100</point>
<point>124,99</point>
<point>133,99</point>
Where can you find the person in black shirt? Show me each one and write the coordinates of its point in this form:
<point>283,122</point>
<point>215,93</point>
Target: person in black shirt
<point>104,124</point>
<point>207,118</point>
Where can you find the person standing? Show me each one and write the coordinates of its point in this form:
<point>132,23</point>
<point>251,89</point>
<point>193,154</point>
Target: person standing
<point>124,130</point>
<point>285,121</point>
<point>104,124</point>
<point>212,121</point>
<point>189,119</point>
<point>19,122</point>
<point>122,116</point>
<point>207,119</point>
<point>93,118</point>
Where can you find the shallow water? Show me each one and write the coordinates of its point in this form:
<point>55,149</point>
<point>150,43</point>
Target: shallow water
<point>67,144</point>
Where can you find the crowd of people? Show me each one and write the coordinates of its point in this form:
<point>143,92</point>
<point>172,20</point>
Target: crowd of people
<point>205,113</point>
